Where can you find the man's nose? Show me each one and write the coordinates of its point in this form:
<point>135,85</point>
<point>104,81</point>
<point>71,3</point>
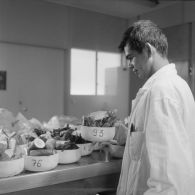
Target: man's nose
<point>131,65</point>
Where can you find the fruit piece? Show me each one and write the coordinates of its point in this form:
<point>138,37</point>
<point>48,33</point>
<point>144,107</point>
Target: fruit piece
<point>59,144</point>
<point>50,144</point>
<point>41,152</point>
<point>4,157</point>
<point>43,138</point>
<point>3,137</point>
<point>3,146</point>
<point>39,143</point>
<point>12,143</point>
<point>9,152</point>
<point>21,150</point>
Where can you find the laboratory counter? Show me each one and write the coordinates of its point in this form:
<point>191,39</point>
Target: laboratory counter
<point>91,174</point>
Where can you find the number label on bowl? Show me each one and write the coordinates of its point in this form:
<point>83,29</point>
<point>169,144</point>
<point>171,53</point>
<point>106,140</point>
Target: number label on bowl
<point>36,163</point>
<point>98,133</point>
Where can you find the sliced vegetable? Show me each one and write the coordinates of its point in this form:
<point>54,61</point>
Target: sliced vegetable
<point>50,144</point>
<point>39,143</point>
<point>12,143</point>
<point>3,146</point>
<point>4,157</point>
<point>9,152</point>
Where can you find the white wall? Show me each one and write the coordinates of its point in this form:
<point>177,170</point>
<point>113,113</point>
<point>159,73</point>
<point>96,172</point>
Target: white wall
<point>34,80</point>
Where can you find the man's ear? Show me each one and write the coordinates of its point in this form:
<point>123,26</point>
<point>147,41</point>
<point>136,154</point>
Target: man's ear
<point>148,49</point>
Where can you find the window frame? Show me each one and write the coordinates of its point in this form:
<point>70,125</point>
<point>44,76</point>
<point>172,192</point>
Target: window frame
<point>96,70</point>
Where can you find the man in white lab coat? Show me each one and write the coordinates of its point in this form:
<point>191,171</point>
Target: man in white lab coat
<point>159,157</point>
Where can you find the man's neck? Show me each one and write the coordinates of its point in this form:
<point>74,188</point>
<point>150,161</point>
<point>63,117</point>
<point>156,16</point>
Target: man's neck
<point>159,62</point>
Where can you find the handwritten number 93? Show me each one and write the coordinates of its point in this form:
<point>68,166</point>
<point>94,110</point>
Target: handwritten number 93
<point>99,133</point>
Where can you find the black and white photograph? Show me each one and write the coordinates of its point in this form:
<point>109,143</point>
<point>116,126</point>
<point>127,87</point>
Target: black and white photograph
<point>97,97</point>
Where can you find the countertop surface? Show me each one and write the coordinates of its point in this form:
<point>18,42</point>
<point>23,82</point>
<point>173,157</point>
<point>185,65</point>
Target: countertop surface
<point>89,166</point>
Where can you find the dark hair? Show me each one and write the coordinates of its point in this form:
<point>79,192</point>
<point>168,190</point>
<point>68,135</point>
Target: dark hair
<point>142,32</point>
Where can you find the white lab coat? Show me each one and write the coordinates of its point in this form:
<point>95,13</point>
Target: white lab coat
<point>159,157</point>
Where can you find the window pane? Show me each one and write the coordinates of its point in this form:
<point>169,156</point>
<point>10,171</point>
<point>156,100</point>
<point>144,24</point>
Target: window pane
<point>106,61</point>
<point>82,72</point>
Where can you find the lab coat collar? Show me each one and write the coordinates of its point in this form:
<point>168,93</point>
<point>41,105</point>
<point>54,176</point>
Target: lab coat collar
<point>166,70</point>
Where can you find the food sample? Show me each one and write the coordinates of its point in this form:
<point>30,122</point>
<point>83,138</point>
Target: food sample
<point>63,133</point>
<point>100,119</point>
<point>66,146</point>
<point>8,146</point>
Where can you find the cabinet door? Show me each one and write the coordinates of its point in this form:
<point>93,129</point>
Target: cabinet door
<point>183,69</point>
<point>34,80</point>
<point>179,48</point>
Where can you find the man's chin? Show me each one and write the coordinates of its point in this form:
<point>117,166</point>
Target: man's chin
<point>140,76</point>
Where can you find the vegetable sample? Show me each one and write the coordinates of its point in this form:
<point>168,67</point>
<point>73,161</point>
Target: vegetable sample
<point>107,120</point>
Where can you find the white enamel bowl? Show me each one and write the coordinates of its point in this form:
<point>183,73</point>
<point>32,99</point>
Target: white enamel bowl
<point>11,167</point>
<point>86,148</point>
<point>97,134</point>
<point>69,156</point>
<point>41,163</point>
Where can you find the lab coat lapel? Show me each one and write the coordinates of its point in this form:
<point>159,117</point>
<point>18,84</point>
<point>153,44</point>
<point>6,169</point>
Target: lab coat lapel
<point>135,103</point>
